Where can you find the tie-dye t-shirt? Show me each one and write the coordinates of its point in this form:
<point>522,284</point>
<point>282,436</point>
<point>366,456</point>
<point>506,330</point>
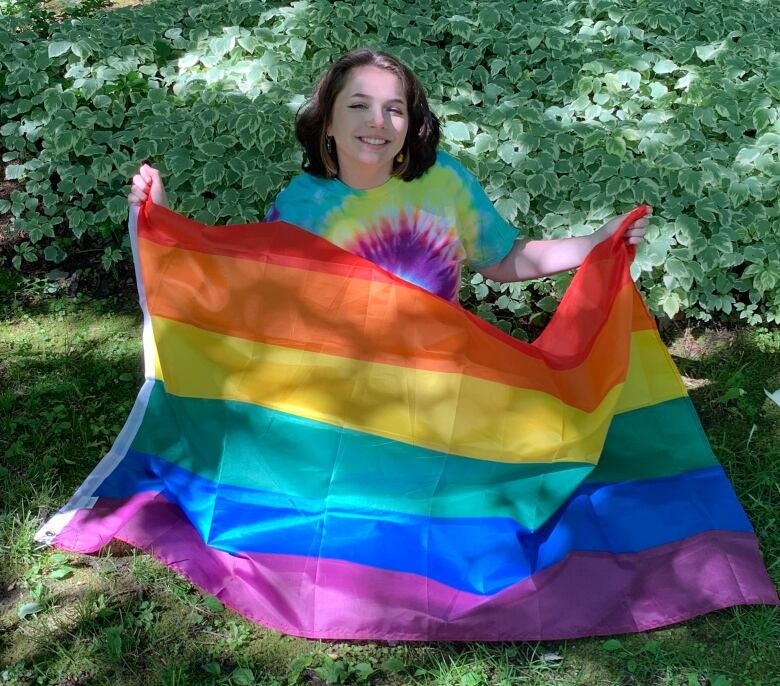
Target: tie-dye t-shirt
<point>421,230</point>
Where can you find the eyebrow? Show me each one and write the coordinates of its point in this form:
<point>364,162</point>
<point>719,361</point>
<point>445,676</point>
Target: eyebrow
<point>368,97</point>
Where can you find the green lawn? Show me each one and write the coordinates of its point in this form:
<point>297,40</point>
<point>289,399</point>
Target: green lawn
<point>69,370</point>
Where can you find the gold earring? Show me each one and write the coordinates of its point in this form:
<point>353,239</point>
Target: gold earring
<point>399,157</point>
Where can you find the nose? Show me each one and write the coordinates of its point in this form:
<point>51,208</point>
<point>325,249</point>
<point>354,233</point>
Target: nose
<point>377,117</point>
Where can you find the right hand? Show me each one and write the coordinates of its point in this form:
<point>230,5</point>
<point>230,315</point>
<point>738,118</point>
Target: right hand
<point>145,183</point>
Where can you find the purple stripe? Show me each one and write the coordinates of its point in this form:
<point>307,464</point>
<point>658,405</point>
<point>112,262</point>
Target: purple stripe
<point>586,594</point>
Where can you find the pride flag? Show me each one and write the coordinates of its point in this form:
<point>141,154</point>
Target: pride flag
<point>337,453</point>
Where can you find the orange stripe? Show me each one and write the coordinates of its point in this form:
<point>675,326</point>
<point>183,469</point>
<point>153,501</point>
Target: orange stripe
<point>193,287</point>
<point>584,308</point>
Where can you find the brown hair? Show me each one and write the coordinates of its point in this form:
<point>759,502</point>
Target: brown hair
<point>313,119</point>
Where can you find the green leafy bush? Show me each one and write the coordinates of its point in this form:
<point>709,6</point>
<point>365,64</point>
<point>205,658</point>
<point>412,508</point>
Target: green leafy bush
<point>568,112</point>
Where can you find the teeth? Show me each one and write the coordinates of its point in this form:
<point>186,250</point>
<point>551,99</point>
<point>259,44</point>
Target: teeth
<point>374,141</point>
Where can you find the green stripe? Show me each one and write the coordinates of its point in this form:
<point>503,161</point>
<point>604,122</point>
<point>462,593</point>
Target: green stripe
<point>652,442</point>
<point>254,447</point>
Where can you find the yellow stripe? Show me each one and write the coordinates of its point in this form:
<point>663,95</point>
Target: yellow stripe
<point>442,411</point>
<point>652,375</point>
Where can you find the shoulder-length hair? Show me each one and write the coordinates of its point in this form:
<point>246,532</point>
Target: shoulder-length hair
<point>313,119</point>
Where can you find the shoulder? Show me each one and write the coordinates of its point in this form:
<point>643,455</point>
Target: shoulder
<point>451,164</point>
<point>306,200</point>
<point>304,183</point>
<point>446,172</point>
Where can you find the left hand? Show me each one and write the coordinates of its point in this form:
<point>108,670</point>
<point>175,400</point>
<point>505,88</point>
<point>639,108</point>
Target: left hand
<point>635,233</point>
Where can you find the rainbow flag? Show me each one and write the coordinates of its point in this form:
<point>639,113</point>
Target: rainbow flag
<point>337,453</point>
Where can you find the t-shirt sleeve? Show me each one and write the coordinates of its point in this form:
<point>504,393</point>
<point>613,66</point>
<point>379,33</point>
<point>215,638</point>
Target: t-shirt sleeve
<point>486,236</point>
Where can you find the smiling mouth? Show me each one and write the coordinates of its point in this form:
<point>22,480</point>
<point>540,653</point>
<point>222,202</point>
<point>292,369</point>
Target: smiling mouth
<point>376,142</point>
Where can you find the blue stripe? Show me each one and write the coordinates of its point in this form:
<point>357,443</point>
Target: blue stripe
<point>480,555</point>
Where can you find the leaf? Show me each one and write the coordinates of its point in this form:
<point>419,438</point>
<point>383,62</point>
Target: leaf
<point>675,267</point>
<point>363,671</point>
<point>213,173</point>
<point>66,570</point>
<point>614,186</point>
<point>670,302</point>
<point>488,18</point>
<point>603,173</point>
<point>738,194</point>
<point>101,101</point>
<point>54,253</point>
<point>14,172</point>
<point>691,181</point>
<point>102,167</point>
<point>28,609</point>
<point>241,676</point>
<point>630,78</point>
<point>708,52</point>
<point>761,119</point>
<point>507,208</point>
<point>212,604</point>
<point>85,183</point>
<point>665,67</point>
<point>506,151</point>
<point>705,210</point>
<point>456,131</point>
<point>58,48</point>
<point>297,47</point>
<point>213,149</point>
<point>522,199</point>
<point>221,45</point>
<point>52,100</point>
<point>212,668</point>
<point>616,146</point>
<point>721,242</point>
<point>180,161</point>
<point>672,161</point>
<point>536,184</point>
<point>117,208</point>
<point>482,143</point>
<point>393,664</point>
<point>657,90</point>
<point>547,304</point>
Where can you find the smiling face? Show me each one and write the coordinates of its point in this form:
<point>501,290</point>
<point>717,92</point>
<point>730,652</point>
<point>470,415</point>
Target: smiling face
<point>368,123</point>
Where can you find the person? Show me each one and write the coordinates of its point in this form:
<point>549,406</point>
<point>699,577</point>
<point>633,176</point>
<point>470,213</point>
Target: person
<point>375,183</point>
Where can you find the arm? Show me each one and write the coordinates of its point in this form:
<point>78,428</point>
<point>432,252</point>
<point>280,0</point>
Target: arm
<point>531,259</point>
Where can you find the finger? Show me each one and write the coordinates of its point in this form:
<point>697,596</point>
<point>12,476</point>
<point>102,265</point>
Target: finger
<point>138,194</point>
<point>133,199</point>
<point>140,182</point>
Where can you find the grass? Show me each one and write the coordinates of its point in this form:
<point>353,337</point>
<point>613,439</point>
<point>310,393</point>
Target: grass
<point>69,370</point>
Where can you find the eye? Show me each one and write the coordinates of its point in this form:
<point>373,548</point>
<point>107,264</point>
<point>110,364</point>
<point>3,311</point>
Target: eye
<point>396,110</point>
<point>357,106</point>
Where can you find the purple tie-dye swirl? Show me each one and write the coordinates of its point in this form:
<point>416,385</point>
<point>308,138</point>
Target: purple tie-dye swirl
<point>416,246</point>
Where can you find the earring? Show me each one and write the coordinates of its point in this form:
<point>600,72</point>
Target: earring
<point>329,144</point>
<point>399,157</point>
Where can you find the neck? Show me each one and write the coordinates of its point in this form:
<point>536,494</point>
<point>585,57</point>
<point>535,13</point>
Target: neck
<point>364,179</point>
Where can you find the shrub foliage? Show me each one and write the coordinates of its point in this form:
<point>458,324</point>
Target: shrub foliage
<point>568,111</point>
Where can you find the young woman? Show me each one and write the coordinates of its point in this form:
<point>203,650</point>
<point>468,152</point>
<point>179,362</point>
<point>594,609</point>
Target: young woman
<point>375,184</point>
